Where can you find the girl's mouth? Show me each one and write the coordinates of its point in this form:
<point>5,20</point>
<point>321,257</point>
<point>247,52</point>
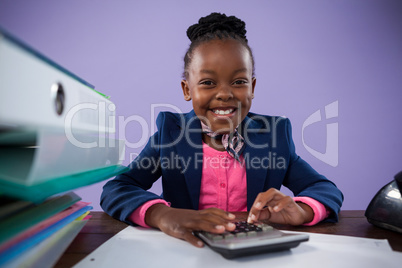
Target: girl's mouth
<point>223,111</point>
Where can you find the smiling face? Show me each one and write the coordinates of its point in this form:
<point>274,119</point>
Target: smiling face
<point>220,84</point>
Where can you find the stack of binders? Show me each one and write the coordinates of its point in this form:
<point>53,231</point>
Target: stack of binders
<point>56,135</point>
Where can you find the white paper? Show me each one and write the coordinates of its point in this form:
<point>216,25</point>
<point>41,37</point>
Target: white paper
<point>139,247</point>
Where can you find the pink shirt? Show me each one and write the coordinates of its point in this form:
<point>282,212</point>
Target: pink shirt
<point>224,186</point>
<point>223,182</point>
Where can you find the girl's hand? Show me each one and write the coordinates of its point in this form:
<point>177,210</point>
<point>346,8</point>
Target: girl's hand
<point>181,223</point>
<point>279,208</point>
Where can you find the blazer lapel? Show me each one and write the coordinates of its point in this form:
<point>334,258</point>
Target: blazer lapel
<point>189,148</point>
<point>256,149</point>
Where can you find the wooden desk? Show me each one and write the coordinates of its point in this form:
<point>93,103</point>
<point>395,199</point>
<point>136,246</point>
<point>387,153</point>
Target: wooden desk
<point>101,227</point>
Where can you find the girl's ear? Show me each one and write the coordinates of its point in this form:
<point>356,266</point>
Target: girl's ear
<point>253,86</point>
<point>186,90</point>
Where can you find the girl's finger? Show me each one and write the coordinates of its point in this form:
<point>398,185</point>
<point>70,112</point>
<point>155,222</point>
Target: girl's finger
<point>263,200</point>
<point>259,204</point>
<point>219,212</point>
<point>210,223</point>
<point>193,240</point>
<point>283,203</point>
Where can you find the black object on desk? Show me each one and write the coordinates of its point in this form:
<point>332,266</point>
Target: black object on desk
<point>385,210</point>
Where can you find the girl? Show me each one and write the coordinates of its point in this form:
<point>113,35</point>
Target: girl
<point>219,157</point>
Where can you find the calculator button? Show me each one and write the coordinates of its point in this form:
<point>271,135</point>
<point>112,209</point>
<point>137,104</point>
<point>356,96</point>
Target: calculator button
<point>266,228</point>
<point>217,238</point>
<point>252,233</point>
<point>228,236</point>
<point>241,235</point>
<point>209,235</point>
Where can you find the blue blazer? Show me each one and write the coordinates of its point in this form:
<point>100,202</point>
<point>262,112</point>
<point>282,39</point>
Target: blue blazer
<point>174,153</point>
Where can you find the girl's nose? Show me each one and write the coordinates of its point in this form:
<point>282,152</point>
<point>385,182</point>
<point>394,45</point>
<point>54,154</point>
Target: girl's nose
<point>224,93</point>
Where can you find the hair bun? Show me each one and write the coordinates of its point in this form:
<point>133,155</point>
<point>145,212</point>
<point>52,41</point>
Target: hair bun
<point>217,22</point>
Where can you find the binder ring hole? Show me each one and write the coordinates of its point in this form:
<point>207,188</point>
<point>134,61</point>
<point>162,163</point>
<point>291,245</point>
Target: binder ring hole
<point>58,97</point>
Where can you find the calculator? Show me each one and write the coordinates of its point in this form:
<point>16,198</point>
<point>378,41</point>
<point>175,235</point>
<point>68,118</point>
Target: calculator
<point>250,239</point>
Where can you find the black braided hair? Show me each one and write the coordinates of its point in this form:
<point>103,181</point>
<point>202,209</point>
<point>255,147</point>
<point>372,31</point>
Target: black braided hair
<point>217,22</point>
<point>212,27</point>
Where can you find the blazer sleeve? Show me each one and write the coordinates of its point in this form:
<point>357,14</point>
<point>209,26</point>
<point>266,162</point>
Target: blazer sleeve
<point>303,180</point>
<point>128,191</point>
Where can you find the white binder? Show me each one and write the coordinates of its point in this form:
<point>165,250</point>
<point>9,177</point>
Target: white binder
<point>53,154</point>
<point>38,93</point>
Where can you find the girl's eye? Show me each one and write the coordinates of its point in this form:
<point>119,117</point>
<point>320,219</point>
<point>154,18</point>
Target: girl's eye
<point>207,83</point>
<point>240,82</point>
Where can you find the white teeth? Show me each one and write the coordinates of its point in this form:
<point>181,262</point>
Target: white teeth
<point>223,112</point>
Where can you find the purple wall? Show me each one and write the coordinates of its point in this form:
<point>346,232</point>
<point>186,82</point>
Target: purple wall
<point>309,54</point>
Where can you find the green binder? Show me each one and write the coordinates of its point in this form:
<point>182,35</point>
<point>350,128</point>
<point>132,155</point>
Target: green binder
<point>39,192</point>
